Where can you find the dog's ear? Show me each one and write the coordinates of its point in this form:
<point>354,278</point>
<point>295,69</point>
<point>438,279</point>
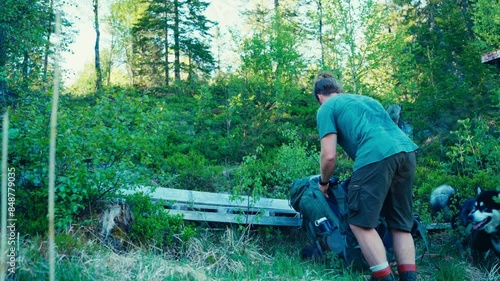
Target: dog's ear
<point>479,190</point>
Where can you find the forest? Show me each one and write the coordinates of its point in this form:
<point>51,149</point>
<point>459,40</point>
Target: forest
<point>173,100</point>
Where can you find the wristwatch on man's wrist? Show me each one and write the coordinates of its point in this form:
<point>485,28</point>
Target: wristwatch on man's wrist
<point>321,182</point>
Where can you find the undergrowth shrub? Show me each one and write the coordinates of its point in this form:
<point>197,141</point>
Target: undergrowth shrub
<point>193,171</point>
<point>473,160</point>
<point>477,148</point>
<point>154,226</point>
<point>270,174</point>
<point>68,244</point>
<point>449,270</point>
<point>95,147</point>
<point>104,144</point>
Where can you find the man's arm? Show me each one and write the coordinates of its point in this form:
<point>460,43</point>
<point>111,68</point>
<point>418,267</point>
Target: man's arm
<point>328,159</point>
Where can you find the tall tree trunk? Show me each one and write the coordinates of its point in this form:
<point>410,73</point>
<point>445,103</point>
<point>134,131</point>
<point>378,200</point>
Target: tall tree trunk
<point>131,63</point>
<point>218,36</point>
<point>167,69</point>
<point>166,55</point>
<point>322,46</point>
<point>98,80</point>
<point>177,62</point>
<point>190,67</point>
<point>110,60</point>
<point>47,45</point>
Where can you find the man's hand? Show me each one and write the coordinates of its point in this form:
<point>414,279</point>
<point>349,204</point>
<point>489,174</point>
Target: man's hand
<point>328,160</point>
<point>324,188</point>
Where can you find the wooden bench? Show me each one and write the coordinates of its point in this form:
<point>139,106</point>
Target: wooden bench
<point>217,207</point>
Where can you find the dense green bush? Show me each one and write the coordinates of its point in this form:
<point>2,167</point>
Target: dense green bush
<point>472,159</point>
<point>154,226</point>
<point>193,171</point>
<point>270,173</point>
<point>103,144</point>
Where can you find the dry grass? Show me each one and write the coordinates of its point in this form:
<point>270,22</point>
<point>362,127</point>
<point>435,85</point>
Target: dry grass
<point>494,273</point>
<point>224,255</point>
<point>138,266</point>
<point>237,251</point>
<point>94,262</point>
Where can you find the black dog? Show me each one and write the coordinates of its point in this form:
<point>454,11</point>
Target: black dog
<point>480,214</point>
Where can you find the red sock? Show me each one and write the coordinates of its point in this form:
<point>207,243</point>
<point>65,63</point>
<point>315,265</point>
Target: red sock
<point>407,267</point>
<point>382,273</point>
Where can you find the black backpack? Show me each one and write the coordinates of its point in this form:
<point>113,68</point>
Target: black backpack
<point>325,221</point>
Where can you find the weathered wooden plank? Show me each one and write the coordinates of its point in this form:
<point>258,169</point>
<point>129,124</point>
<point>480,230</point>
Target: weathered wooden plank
<point>217,207</point>
<point>438,226</point>
<point>237,218</point>
<point>229,209</point>
<point>219,199</point>
<point>492,57</point>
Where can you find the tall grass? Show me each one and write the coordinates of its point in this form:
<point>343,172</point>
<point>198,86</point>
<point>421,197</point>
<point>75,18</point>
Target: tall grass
<point>231,254</point>
<point>95,262</point>
<point>222,254</point>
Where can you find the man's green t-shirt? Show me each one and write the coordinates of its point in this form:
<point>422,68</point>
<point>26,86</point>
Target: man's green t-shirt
<point>364,129</point>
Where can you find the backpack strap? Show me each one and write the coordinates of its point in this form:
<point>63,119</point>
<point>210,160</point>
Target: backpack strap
<point>329,212</point>
<point>420,227</point>
<point>312,232</point>
<point>338,195</point>
<point>341,200</point>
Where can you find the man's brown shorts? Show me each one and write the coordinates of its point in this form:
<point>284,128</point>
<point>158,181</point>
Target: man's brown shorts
<point>385,188</point>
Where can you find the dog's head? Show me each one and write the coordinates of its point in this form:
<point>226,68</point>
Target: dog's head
<point>486,211</point>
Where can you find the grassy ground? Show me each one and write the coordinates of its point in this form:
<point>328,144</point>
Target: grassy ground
<point>228,254</point>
